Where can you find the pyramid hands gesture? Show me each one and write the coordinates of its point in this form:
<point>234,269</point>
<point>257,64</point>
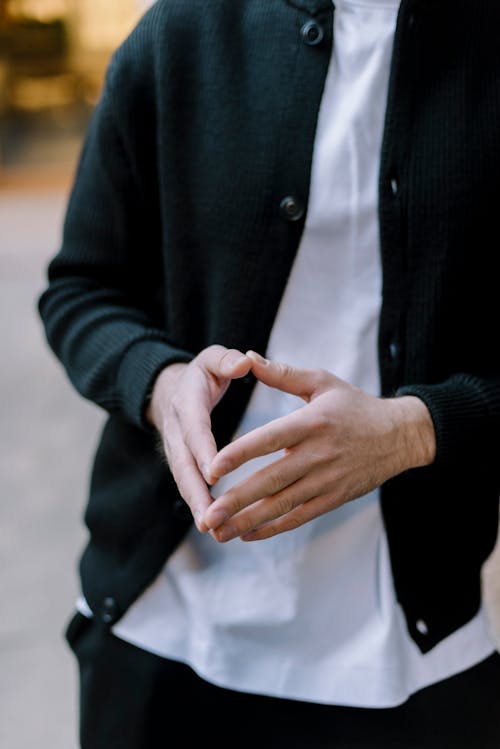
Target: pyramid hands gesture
<point>341,444</point>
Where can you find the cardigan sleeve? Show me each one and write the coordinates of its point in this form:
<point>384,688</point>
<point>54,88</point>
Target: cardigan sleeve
<point>465,410</point>
<point>100,308</point>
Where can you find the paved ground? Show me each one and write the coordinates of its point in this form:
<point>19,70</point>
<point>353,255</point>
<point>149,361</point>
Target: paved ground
<point>47,436</point>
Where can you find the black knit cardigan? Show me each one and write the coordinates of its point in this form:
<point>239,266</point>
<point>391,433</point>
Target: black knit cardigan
<point>178,235</point>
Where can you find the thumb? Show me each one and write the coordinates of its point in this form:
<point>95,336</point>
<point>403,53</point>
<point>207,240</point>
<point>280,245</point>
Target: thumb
<point>305,383</point>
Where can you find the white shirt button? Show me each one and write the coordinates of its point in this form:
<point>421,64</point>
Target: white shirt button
<point>422,627</point>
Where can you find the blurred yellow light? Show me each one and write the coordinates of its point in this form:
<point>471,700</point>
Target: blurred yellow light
<point>39,10</point>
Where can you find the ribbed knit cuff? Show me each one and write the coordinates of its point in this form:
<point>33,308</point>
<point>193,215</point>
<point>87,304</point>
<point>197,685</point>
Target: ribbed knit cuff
<point>460,415</point>
<point>141,364</point>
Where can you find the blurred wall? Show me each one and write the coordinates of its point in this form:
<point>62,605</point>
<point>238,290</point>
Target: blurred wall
<point>53,58</point>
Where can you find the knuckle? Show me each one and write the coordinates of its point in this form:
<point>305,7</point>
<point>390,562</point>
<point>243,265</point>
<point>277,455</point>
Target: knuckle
<point>229,358</point>
<point>272,440</point>
<point>229,353</point>
<point>322,376</point>
<point>321,422</point>
<point>283,369</point>
<point>284,506</point>
<point>208,356</point>
<point>226,356</point>
<point>325,459</point>
<point>217,352</point>
<point>214,348</point>
<point>319,379</point>
<point>277,482</point>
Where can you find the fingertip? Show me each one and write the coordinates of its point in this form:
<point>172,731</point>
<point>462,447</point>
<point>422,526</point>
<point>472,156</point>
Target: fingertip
<point>208,475</point>
<point>257,358</point>
<point>219,469</point>
<point>200,523</point>
<point>211,479</point>
<point>232,362</point>
<point>239,360</point>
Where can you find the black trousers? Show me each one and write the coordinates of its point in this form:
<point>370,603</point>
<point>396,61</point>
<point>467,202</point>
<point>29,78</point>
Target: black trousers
<point>132,699</point>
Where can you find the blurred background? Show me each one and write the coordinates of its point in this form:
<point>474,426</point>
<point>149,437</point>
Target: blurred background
<point>53,56</point>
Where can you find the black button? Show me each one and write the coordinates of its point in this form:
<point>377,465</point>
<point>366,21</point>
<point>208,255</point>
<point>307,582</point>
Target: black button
<point>393,350</point>
<point>411,20</point>
<point>181,510</point>
<point>291,208</point>
<point>109,610</point>
<point>312,33</point>
<point>249,379</point>
<point>394,186</point>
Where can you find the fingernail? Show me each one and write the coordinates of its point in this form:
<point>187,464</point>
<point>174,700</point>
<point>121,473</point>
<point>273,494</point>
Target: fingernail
<point>217,518</point>
<point>226,533</point>
<point>238,360</point>
<point>258,358</point>
<point>230,363</point>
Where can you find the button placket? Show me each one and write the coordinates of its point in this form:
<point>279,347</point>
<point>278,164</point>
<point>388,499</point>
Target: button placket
<point>109,610</point>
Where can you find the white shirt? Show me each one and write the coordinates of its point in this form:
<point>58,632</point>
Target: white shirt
<point>312,614</point>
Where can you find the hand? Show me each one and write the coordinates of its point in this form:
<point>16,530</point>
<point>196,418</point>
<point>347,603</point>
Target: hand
<point>182,400</point>
<point>341,445</point>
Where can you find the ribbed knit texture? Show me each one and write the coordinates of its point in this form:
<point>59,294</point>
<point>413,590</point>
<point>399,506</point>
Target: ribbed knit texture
<point>174,240</point>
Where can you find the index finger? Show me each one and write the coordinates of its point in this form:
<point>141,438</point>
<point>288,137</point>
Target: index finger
<point>279,434</point>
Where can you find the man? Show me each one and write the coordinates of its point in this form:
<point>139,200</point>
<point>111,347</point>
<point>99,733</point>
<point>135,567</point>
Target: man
<point>317,184</point>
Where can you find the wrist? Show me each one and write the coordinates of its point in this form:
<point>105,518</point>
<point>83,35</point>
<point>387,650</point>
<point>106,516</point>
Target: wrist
<point>163,386</point>
<point>415,432</point>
